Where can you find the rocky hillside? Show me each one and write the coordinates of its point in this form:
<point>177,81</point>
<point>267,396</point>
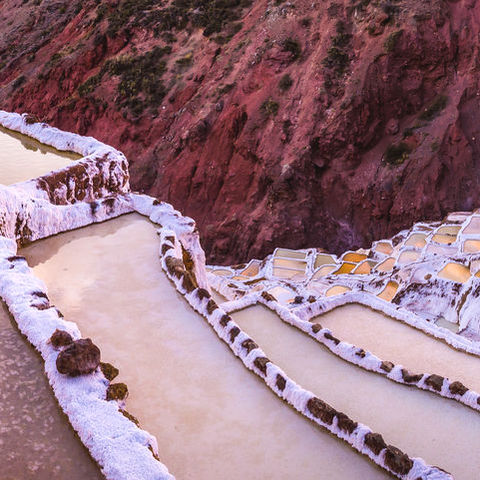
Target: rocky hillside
<point>308,123</point>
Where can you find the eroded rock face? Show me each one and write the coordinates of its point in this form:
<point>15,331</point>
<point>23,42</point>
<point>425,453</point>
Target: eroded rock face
<point>267,136</point>
<point>79,358</point>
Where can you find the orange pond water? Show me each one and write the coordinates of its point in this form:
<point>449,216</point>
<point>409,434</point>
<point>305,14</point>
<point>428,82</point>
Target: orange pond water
<point>36,440</point>
<point>213,418</point>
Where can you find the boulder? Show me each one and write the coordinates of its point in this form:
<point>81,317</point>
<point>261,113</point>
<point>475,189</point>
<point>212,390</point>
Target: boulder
<point>79,358</point>
<point>117,391</point>
<point>375,442</point>
<point>109,370</point>
<point>397,461</point>
<point>60,338</point>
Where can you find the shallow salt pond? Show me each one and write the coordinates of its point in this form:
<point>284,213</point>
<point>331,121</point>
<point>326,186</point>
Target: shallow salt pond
<point>36,440</point>
<point>213,419</point>
<point>422,424</point>
<point>23,158</point>
<point>397,342</point>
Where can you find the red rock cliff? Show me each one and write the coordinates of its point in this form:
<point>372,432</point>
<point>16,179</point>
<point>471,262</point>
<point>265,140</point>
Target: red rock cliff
<point>324,123</point>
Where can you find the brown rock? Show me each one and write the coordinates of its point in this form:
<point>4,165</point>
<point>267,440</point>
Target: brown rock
<point>457,388</point>
<point>30,119</point>
<point>345,423</point>
<point>202,293</point>
<point>435,382</point>
<point>261,364</point>
<point>409,377</point>
<point>329,336</point>
<point>174,266</point>
<point>234,331</point>
<point>321,410</point>
<point>397,461</point>
<point>316,327</point>
<point>211,306</point>
<point>188,282</point>
<point>280,382</point>
<point>117,391</point>
<point>267,297</point>
<point>165,248</point>
<point>79,358</point>
<point>375,442</point>
<point>108,370</point>
<point>224,320</point>
<point>387,366</point>
<point>60,338</point>
<point>249,345</point>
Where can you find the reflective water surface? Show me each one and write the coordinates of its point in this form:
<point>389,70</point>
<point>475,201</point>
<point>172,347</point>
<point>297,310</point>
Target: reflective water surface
<point>213,419</point>
<point>36,440</point>
<point>23,158</point>
<point>420,423</point>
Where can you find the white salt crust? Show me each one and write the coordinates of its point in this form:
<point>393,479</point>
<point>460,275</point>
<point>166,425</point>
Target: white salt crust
<point>120,448</point>
<point>118,445</point>
<point>293,394</point>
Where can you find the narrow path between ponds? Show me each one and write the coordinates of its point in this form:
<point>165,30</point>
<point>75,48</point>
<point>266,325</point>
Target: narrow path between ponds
<point>422,424</point>
<point>213,419</point>
<point>36,440</point>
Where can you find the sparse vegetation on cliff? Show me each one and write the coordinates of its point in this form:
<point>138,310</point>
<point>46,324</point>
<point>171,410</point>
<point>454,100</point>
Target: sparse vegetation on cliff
<point>285,82</point>
<point>212,16</point>
<point>434,108</point>
<point>270,107</point>
<point>396,153</point>
<point>338,57</point>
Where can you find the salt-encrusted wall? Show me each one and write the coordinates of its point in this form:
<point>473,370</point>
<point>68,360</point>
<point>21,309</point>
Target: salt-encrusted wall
<point>94,189</point>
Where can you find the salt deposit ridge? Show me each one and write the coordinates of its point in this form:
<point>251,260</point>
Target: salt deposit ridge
<point>427,277</point>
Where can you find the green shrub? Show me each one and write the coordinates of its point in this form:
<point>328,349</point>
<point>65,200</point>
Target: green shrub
<point>140,83</point>
<point>212,15</point>
<point>270,107</point>
<point>397,153</point>
<point>285,82</point>
<point>435,108</point>
<point>337,55</point>
<point>89,85</point>
<point>293,47</point>
<point>19,81</point>
<point>185,61</point>
<point>391,41</point>
<point>337,59</point>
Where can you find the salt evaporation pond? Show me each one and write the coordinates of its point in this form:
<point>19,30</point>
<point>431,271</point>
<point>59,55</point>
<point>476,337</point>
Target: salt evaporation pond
<point>213,419</point>
<point>397,342</point>
<point>23,158</point>
<point>441,431</point>
<point>36,440</point>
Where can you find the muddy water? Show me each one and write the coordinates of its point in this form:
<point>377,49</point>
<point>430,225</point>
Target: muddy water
<point>36,440</point>
<point>213,419</point>
<point>23,158</point>
<point>420,423</point>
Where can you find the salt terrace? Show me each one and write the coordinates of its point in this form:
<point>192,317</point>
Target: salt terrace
<point>200,349</point>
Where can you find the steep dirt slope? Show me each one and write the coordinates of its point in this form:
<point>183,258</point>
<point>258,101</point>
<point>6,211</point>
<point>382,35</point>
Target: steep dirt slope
<point>324,123</point>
